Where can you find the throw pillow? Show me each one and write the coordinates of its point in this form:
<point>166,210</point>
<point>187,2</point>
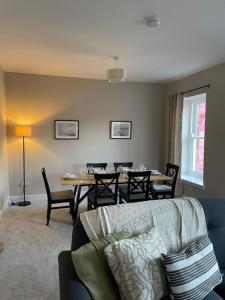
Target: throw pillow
<point>93,270</point>
<point>194,272</point>
<point>136,266</point>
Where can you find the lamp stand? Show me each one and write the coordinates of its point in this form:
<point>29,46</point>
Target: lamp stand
<point>24,202</point>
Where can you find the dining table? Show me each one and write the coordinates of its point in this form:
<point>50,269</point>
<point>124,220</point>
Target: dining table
<point>89,181</point>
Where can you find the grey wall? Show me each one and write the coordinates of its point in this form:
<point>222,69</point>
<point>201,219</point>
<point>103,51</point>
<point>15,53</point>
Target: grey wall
<point>38,100</point>
<point>215,129</point>
<point>3,144</point>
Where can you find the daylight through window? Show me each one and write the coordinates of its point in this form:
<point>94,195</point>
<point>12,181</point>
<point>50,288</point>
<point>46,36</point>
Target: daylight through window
<point>193,138</point>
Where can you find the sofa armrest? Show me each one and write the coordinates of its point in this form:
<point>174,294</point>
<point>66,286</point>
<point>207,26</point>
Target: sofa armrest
<point>71,288</point>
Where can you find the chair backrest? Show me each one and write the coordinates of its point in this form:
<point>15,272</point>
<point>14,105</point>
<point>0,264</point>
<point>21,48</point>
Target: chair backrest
<point>46,184</point>
<point>105,181</point>
<point>172,171</point>
<point>139,183</point>
<point>118,165</point>
<point>96,165</point>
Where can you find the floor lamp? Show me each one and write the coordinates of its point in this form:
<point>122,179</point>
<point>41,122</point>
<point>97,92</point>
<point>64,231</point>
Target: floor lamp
<point>23,131</point>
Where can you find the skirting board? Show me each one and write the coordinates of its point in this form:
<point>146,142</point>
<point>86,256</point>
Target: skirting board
<point>4,208</point>
<point>28,197</point>
<point>39,197</point>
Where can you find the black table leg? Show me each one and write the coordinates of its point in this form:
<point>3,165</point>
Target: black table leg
<point>75,191</point>
<point>80,199</point>
<point>77,202</point>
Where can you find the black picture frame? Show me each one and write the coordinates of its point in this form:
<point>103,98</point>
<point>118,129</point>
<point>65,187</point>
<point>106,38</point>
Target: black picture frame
<point>66,129</point>
<point>120,130</point>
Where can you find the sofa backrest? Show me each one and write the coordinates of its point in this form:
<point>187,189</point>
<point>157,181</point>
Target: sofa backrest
<point>214,209</point>
<point>79,236</point>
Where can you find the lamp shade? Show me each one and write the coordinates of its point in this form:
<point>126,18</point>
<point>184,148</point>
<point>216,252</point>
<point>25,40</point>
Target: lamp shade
<point>116,75</point>
<point>23,131</point>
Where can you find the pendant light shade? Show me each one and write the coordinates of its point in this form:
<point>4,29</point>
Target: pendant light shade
<point>116,74</point>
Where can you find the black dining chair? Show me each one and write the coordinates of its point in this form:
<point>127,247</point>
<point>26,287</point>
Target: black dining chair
<point>118,165</point>
<point>92,166</point>
<point>139,187</point>
<point>66,196</point>
<point>167,189</point>
<point>103,194</point>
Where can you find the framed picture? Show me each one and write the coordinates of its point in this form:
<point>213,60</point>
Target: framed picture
<point>66,129</point>
<point>120,129</point>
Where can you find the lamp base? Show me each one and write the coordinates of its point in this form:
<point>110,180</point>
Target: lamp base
<point>23,203</point>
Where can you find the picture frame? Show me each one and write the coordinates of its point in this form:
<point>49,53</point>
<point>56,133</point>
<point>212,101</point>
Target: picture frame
<point>66,129</point>
<point>120,129</point>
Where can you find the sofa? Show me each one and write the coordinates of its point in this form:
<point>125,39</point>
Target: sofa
<point>72,289</point>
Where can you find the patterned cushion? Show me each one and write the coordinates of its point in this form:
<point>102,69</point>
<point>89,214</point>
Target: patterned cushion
<point>162,188</point>
<point>136,266</point>
<point>194,272</point>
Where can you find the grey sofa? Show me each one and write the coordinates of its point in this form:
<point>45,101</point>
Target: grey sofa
<point>72,289</point>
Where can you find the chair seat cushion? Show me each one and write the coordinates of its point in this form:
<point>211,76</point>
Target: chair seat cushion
<point>102,201</point>
<point>62,195</point>
<point>104,194</point>
<point>135,197</point>
<point>162,188</point>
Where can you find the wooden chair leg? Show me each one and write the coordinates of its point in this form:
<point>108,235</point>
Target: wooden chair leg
<point>48,214</point>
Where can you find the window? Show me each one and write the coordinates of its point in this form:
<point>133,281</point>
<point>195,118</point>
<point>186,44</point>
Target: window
<point>193,138</point>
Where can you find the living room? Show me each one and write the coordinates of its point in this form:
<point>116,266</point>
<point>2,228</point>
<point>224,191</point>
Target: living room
<point>55,63</point>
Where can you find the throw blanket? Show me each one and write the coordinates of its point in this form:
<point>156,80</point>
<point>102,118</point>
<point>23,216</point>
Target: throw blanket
<point>179,221</point>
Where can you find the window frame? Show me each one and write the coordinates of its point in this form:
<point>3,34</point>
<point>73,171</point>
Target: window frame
<point>187,173</point>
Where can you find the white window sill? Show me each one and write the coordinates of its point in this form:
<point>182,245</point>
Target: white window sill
<point>192,180</point>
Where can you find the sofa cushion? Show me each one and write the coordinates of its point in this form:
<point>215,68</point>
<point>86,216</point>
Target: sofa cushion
<point>70,286</point>
<point>220,289</point>
<point>214,209</point>
<point>193,272</point>
<point>136,266</point>
<point>213,296</point>
<point>92,267</point>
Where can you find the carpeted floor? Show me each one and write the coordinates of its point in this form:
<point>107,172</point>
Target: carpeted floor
<point>28,263</point>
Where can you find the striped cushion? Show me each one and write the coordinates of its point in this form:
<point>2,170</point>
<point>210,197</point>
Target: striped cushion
<point>194,272</point>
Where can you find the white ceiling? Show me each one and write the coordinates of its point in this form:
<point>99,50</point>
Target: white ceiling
<point>78,37</point>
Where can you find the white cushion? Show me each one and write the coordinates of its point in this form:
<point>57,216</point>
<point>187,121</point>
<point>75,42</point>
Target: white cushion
<point>136,266</point>
<point>162,188</point>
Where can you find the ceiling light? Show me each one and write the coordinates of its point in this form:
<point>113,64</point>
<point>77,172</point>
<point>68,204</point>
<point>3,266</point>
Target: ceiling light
<point>152,21</point>
<point>116,74</point>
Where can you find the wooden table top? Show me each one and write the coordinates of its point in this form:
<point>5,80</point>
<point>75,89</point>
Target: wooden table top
<point>89,180</point>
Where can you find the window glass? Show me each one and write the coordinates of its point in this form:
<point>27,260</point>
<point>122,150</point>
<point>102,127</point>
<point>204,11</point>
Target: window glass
<point>193,138</point>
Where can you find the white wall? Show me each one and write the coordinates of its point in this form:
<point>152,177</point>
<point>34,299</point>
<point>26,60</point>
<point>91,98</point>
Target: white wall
<point>38,100</point>
<point>3,144</point>
<point>215,129</point>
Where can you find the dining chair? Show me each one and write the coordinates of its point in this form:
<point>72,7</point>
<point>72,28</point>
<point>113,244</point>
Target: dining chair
<point>105,190</point>
<point>66,196</point>
<point>139,187</point>
<point>167,189</point>
<point>118,165</point>
<point>96,166</point>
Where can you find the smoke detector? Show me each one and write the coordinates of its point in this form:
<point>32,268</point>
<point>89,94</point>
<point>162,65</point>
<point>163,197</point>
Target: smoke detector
<point>152,21</point>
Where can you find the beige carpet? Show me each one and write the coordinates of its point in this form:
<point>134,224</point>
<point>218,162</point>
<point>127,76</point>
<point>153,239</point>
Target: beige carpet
<point>28,262</point>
